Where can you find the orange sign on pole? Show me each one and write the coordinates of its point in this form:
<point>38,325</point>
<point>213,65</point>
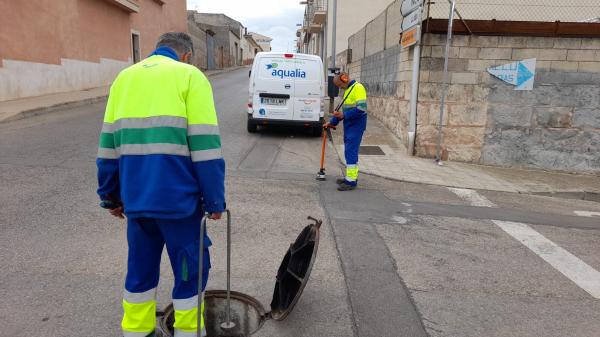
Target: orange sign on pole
<point>411,36</point>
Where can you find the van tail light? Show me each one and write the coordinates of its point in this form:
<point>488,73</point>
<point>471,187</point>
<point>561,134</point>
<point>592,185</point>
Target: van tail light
<point>289,56</point>
<point>250,104</point>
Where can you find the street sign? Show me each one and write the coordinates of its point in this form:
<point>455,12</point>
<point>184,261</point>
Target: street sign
<point>411,19</point>
<point>408,6</point>
<point>520,74</point>
<point>411,36</point>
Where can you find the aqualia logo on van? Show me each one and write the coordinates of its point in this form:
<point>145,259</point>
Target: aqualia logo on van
<point>285,73</point>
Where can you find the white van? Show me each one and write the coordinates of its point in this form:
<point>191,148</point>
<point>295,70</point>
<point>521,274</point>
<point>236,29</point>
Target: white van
<point>286,89</point>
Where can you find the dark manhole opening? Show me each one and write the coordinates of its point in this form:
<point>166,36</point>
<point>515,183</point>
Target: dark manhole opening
<point>371,151</point>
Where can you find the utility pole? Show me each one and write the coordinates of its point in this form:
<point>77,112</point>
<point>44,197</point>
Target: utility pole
<point>334,34</point>
<point>412,128</point>
<point>333,91</point>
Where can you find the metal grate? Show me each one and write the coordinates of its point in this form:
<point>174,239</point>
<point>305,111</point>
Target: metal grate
<point>371,151</point>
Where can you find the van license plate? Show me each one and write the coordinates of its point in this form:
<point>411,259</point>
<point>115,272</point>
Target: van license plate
<point>272,101</point>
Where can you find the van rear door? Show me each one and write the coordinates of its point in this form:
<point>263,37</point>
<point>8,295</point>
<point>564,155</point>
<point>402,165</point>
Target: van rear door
<point>273,88</point>
<point>308,88</point>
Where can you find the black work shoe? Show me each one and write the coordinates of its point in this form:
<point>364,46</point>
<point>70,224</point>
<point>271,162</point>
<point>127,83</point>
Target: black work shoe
<point>340,181</point>
<point>346,187</point>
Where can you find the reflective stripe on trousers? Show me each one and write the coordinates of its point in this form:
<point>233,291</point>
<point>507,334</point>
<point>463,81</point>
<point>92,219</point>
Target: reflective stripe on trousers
<point>186,319</point>
<point>139,319</point>
<point>352,173</point>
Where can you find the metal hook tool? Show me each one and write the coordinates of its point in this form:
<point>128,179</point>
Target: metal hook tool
<point>228,324</point>
<point>200,273</point>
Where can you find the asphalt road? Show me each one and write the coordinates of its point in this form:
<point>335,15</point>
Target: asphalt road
<point>395,259</point>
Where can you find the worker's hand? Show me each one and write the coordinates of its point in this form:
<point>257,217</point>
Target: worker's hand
<point>326,125</point>
<point>215,216</point>
<point>338,114</point>
<point>117,212</point>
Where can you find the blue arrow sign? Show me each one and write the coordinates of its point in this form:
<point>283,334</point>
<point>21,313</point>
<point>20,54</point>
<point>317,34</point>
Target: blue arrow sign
<point>520,74</point>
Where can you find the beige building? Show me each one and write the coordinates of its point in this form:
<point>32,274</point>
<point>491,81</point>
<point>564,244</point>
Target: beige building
<point>316,34</point>
<point>251,48</point>
<point>263,41</point>
<point>51,46</point>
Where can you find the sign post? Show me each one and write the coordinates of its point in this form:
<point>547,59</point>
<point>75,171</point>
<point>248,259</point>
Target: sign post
<point>411,11</point>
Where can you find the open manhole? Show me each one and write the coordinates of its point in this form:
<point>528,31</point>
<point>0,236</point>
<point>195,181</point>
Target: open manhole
<point>249,314</point>
<point>370,150</point>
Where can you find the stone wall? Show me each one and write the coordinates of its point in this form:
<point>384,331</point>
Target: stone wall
<point>465,112</point>
<point>199,39</point>
<point>554,126</point>
<point>557,124</point>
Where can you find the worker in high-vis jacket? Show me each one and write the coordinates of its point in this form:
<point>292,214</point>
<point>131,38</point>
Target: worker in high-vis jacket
<point>354,115</point>
<point>160,165</point>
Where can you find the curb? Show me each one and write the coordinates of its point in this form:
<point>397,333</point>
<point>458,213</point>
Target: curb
<point>573,195</point>
<point>75,104</point>
<point>223,71</point>
<point>53,108</point>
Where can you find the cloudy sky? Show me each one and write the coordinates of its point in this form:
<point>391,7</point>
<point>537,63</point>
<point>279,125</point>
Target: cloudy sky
<point>274,18</point>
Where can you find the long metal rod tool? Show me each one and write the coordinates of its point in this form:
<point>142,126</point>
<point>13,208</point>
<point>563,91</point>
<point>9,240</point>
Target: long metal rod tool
<point>327,133</point>
<point>228,324</point>
<point>200,277</point>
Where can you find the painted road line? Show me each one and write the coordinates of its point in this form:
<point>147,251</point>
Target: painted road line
<point>579,272</point>
<point>587,214</point>
<point>472,197</point>
<point>586,277</point>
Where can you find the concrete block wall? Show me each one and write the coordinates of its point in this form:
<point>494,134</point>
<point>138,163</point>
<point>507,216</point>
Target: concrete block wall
<point>393,24</point>
<point>356,43</point>
<point>375,37</point>
<point>382,74</point>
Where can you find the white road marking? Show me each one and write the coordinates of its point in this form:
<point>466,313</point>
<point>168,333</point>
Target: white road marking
<point>579,272</point>
<point>400,220</point>
<point>586,277</point>
<point>587,214</point>
<point>472,197</point>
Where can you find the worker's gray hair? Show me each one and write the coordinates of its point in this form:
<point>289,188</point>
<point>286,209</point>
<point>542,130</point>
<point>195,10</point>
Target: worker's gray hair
<point>178,41</point>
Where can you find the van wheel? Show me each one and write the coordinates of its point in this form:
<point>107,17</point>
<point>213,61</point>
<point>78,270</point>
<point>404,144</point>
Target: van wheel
<point>317,131</point>
<point>251,126</point>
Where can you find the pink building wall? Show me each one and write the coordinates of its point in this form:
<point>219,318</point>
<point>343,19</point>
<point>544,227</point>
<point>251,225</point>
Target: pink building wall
<point>75,44</point>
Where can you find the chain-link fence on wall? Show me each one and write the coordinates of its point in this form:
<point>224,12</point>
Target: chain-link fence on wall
<point>520,10</point>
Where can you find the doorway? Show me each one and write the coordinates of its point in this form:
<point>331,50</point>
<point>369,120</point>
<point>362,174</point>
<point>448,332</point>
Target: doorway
<point>135,47</point>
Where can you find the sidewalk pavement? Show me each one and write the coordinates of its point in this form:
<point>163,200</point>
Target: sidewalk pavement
<point>32,106</point>
<point>396,164</point>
